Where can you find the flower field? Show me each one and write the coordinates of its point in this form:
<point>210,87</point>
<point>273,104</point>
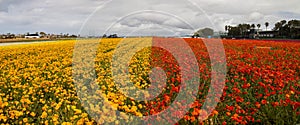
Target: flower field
<point>262,84</point>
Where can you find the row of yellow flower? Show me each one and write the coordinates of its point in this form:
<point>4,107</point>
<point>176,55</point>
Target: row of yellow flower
<point>36,85</point>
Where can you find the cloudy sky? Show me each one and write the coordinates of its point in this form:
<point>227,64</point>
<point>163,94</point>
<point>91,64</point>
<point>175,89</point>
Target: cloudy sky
<point>139,17</point>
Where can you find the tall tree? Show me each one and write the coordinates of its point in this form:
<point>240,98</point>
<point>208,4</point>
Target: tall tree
<point>267,24</point>
<point>248,26</point>
<point>277,26</point>
<point>204,32</point>
<point>253,26</point>
<point>234,31</point>
<point>283,22</point>
<point>240,27</point>
<point>294,28</point>
<point>283,28</point>
<point>258,26</point>
<point>244,28</point>
<point>43,34</point>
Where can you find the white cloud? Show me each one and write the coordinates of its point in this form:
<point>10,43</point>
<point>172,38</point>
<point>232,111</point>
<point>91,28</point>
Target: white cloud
<point>255,16</point>
<point>68,15</point>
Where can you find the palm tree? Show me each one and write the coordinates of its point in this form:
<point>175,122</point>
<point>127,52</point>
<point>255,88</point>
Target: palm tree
<point>253,26</point>
<point>277,26</point>
<point>267,24</point>
<point>258,26</point>
<point>245,28</point>
<point>248,26</point>
<point>253,29</point>
<point>283,22</point>
<point>229,27</point>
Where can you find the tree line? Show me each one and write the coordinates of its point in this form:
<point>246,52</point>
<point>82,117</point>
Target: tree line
<point>282,29</point>
<point>40,34</point>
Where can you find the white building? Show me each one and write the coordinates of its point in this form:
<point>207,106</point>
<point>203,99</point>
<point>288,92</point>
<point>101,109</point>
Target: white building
<point>32,36</point>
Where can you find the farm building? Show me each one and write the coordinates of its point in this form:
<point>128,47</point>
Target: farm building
<point>8,36</point>
<point>267,34</point>
<point>32,36</point>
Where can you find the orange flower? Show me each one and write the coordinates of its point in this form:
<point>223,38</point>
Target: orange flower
<point>275,104</point>
<point>215,112</point>
<point>228,113</point>
<point>257,104</point>
<point>196,112</point>
<point>263,102</point>
<point>192,118</point>
<point>235,116</point>
<point>287,95</point>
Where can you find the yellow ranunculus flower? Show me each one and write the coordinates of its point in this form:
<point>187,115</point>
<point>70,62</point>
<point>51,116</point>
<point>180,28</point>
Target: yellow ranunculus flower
<point>25,120</point>
<point>66,123</point>
<point>140,106</point>
<point>32,114</point>
<point>44,115</point>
